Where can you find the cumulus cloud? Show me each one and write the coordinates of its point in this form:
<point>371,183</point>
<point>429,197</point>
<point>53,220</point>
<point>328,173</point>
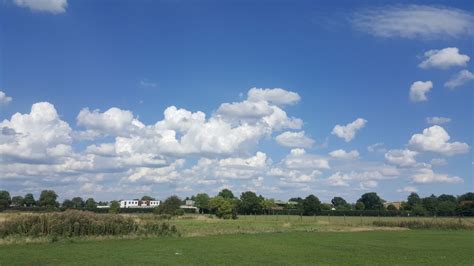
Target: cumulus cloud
<point>438,120</point>
<point>342,154</point>
<point>461,78</point>
<point>426,175</point>
<point>419,89</point>
<point>37,136</point>
<point>367,178</point>
<point>401,157</point>
<point>444,58</point>
<point>51,6</point>
<point>276,96</point>
<point>415,21</point>
<point>4,99</point>
<point>349,131</point>
<point>114,122</point>
<point>436,139</point>
<point>294,140</point>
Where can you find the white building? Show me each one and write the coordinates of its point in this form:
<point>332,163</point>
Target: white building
<point>139,203</point>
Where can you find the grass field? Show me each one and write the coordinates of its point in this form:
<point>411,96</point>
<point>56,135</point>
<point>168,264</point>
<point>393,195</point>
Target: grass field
<point>411,247</point>
<point>281,240</point>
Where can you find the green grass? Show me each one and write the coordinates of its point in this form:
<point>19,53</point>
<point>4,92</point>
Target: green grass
<point>410,247</point>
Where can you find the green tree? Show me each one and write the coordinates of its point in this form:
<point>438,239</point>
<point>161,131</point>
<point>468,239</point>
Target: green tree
<point>359,206</point>
<point>18,201</point>
<point>78,203</point>
<point>48,198</point>
<point>268,204</point>
<point>430,204</point>
<point>223,208</point>
<point>90,204</point>
<point>68,204</point>
<point>340,203</point>
<point>170,205</point>
<point>29,200</point>
<point>202,202</point>
<point>412,200</point>
<point>114,207</point>
<point>371,201</point>
<point>250,203</point>
<point>391,207</point>
<point>311,205</point>
<point>5,199</point>
<point>147,198</point>
<point>226,194</point>
<point>418,210</point>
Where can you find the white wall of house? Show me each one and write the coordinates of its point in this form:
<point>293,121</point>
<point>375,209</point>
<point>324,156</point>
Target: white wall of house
<point>139,203</point>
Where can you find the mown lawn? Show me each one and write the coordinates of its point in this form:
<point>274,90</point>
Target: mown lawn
<point>410,247</point>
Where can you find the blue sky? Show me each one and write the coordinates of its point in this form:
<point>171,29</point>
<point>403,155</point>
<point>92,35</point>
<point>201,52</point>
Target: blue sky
<point>64,64</point>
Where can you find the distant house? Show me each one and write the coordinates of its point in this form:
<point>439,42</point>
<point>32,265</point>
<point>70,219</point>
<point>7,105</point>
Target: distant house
<point>103,206</point>
<point>189,205</point>
<point>139,203</point>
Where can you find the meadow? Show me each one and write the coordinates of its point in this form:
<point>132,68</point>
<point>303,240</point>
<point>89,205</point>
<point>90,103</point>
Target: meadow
<point>281,240</point>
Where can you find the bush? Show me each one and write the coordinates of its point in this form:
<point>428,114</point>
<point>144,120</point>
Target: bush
<point>425,225</point>
<point>73,223</point>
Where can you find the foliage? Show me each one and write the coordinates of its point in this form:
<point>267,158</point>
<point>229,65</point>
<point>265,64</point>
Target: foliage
<point>359,205</point>
<point>90,204</point>
<point>391,207</point>
<point>430,204</point>
<point>29,200</point>
<point>202,202</point>
<point>340,203</point>
<point>371,201</point>
<point>250,203</point>
<point>170,205</point>
<point>412,200</point>
<point>147,198</point>
<point>48,198</point>
<point>18,201</point>
<point>223,208</point>
<point>5,199</point>
<point>77,203</point>
<point>426,225</point>
<point>226,194</point>
<point>311,205</point>
<point>114,207</point>
<point>74,223</point>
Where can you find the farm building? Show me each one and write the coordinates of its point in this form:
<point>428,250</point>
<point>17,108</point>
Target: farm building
<point>397,204</point>
<point>139,203</point>
<point>189,206</point>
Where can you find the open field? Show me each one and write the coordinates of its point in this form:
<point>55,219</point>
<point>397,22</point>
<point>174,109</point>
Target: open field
<point>281,240</point>
<point>409,247</point>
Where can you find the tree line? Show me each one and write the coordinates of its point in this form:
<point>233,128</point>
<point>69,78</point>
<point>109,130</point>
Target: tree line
<point>227,206</point>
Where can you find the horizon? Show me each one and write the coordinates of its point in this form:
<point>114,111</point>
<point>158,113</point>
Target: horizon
<point>177,98</point>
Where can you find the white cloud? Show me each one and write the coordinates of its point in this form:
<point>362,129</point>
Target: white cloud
<point>4,99</point>
<point>366,179</point>
<point>419,89</point>
<point>459,79</point>
<point>36,136</point>
<point>407,189</point>
<point>114,122</point>
<point>276,96</point>
<point>437,120</point>
<point>435,139</point>
<point>51,6</point>
<point>377,147</point>
<point>245,110</point>
<point>349,131</point>
<point>444,58</point>
<point>294,140</point>
<point>439,162</point>
<point>415,21</point>
<point>401,157</point>
<point>342,154</point>
<point>298,159</point>
<point>426,175</point>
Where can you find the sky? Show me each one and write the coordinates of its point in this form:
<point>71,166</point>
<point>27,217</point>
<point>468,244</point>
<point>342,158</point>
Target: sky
<point>120,99</point>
